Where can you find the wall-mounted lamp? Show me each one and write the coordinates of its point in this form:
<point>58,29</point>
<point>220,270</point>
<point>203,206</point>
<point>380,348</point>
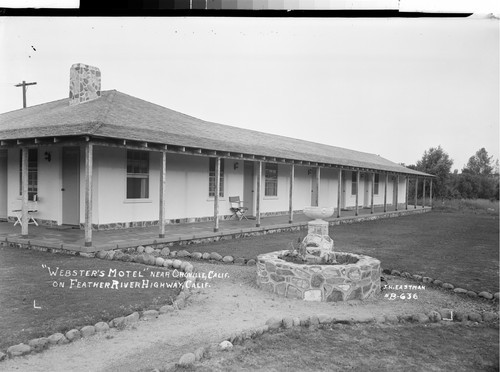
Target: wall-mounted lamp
<point>47,157</point>
<point>236,165</point>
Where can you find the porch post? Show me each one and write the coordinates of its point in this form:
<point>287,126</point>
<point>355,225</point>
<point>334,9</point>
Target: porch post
<point>216,196</point>
<point>257,201</point>
<point>357,192</point>
<point>88,193</point>
<point>339,193</point>
<point>290,201</point>
<point>385,191</point>
<point>24,192</point>
<point>163,188</point>
<point>406,194</point>
<point>397,191</point>
<point>430,193</point>
<point>423,194</point>
<point>318,180</point>
<point>416,191</point>
<point>372,207</point>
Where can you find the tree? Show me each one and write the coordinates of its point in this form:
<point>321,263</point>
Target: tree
<point>437,162</point>
<point>480,163</point>
<point>479,178</point>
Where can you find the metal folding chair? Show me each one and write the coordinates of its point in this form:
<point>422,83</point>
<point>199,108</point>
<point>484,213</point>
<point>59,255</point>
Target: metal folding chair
<point>237,208</point>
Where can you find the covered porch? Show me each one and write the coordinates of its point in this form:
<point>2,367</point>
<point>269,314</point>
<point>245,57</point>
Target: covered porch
<point>92,238</point>
<point>57,238</point>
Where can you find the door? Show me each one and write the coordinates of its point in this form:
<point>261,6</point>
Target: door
<point>343,198</point>
<point>3,184</point>
<point>314,187</point>
<point>71,186</point>
<point>367,200</point>
<point>248,186</point>
<point>394,191</point>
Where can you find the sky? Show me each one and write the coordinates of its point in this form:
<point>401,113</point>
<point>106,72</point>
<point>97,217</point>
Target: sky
<point>393,86</point>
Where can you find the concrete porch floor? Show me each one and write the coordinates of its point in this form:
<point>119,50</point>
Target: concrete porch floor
<point>73,239</point>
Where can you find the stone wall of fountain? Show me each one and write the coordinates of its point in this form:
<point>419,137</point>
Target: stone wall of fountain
<point>324,275</point>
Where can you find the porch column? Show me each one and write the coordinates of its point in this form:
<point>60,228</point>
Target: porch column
<point>406,194</point>
<point>385,191</point>
<point>416,191</point>
<point>163,188</point>
<point>216,196</point>
<point>357,192</point>
<point>88,193</point>
<point>423,194</point>
<point>397,191</point>
<point>372,207</point>
<point>24,190</point>
<point>318,180</point>
<point>339,194</point>
<point>290,201</point>
<point>257,201</point>
<point>430,193</point>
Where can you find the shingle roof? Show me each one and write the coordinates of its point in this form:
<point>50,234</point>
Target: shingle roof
<point>118,115</point>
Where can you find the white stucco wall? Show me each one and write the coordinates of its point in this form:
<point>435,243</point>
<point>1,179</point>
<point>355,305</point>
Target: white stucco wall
<point>187,187</point>
<point>280,202</point>
<point>49,182</point>
<point>364,196</point>
<point>302,192</point>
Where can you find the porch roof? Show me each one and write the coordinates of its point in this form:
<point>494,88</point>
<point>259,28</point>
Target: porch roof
<point>116,115</point>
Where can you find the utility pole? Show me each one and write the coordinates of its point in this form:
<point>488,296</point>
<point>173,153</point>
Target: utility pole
<point>24,85</point>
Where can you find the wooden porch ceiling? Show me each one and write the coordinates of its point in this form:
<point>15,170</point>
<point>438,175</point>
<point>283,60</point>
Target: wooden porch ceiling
<point>176,149</point>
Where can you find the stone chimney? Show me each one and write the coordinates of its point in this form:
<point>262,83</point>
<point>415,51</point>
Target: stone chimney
<point>84,83</point>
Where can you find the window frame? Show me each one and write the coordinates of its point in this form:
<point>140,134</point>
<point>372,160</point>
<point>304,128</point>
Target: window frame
<point>32,173</point>
<point>211,178</point>
<point>354,183</point>
<point>141,160</point>
<point>271,179</point>
<point>376,184</point>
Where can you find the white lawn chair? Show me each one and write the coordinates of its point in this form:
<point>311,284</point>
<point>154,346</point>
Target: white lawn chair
<point>17,210</point>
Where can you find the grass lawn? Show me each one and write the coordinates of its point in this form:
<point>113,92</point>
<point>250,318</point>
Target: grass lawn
<point>453,246</point>
<point>410,347</point>
<point>24,283</point>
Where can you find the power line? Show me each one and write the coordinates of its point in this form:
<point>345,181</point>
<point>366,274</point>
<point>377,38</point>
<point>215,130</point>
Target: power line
<point>24,85</point>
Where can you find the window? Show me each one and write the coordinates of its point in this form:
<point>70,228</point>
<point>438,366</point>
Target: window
<point>375,185</point>
<point>211,178</point>
<point>137,174</point>
<point>354,179</point>
<point>271,179</point>
<point>32,173</point>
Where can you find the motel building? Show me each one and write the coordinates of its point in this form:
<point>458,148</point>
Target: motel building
<point>104,160</point>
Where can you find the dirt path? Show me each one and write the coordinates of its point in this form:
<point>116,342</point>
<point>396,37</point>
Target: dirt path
<point>228,305</point>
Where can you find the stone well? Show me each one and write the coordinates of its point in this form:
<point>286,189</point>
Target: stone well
<point>356,279</point>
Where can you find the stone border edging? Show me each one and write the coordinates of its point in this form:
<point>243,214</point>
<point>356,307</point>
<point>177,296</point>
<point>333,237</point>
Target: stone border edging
<point>253,261</point>
<point>276,323</point>
<point>42,343</point>
<point>439,283</point>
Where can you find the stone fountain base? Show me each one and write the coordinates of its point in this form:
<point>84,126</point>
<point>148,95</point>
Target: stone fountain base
<point>329,282</point>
